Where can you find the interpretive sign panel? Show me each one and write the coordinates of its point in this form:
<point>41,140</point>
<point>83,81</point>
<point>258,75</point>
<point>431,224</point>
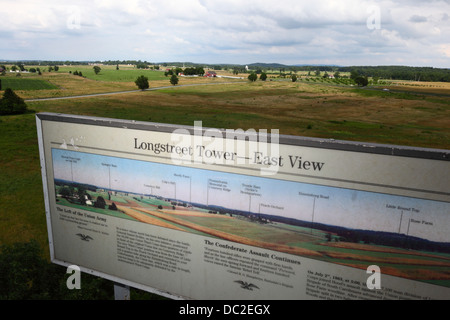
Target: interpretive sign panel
<point>202,213</point>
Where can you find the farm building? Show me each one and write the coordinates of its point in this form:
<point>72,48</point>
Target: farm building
<point>210,74</point>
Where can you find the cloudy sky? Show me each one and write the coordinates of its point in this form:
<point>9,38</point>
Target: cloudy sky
<point>343,32</point>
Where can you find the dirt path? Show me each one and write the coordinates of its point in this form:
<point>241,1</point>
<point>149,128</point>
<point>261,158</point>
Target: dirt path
<point>232,237</point>
<point>127,91</point>
<point>146,218</point>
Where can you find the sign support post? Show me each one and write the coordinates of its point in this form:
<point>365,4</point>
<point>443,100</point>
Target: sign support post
<point>121,292</point>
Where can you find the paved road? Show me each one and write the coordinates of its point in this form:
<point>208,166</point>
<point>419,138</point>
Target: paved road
<point>128,91</point>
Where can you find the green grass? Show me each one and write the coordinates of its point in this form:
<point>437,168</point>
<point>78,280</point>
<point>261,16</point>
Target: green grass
<point>155,202</point>
<point>18,83</point>
<point>22,213</point>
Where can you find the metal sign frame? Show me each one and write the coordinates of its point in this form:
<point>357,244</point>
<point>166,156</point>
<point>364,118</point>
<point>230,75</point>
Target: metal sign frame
<point>405,182</point>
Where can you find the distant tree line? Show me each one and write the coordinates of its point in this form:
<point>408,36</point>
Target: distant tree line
<point>382,72</point>
<point>401,73</point>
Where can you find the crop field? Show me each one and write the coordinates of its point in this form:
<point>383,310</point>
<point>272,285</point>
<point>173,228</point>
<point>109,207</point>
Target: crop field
<point>409,113</point>
<point>17,83</point>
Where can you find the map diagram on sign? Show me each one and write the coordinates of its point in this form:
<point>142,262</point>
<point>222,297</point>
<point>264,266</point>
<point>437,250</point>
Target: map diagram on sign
<point>337,225</point>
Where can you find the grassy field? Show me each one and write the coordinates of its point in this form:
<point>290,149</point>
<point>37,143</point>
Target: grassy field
<point>302,108</point>
<point>110,74</point>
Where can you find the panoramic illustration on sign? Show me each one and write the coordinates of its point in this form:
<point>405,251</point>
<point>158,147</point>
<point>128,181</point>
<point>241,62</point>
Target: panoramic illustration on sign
<point>407,237</point>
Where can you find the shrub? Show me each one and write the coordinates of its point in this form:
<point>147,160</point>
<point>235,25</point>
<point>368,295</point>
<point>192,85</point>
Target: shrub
<point>113,207</point>
<point>100,203</point>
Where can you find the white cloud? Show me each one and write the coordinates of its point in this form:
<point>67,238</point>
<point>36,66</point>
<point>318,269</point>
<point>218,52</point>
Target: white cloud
<point>285,31</point>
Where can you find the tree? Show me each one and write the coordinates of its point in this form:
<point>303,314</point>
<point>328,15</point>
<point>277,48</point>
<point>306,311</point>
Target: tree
<point>200,71</point>
<point>361,81</point>
<point>174,80</point>
<point>263,76</point>
<point>294,78</point>
<point>142,82</point>
<point>65,192</point>
<point>354,74</point>
<point>252,77</point>
<point>141,65</point>
<point>11,103</point>
<point>100,203</point>
<point>237,70</point>
<point>97,69</point>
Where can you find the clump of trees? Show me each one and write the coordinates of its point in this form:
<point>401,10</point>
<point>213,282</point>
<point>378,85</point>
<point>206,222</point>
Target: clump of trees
<point>78,73</point>
<point>194,71</point>
<point>142,65</point>
<point>11,103</point>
